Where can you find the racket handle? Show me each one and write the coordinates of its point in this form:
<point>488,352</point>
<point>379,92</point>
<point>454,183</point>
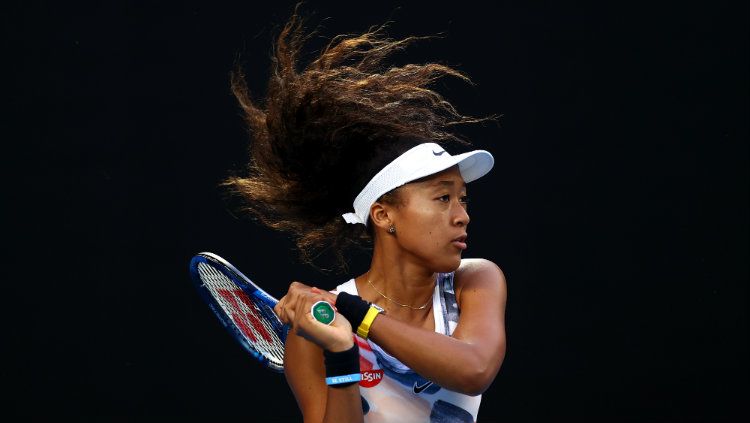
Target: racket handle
<point>323,312</point>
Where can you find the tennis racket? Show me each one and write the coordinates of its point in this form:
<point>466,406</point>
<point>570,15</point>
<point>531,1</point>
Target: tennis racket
<point>245,310</point>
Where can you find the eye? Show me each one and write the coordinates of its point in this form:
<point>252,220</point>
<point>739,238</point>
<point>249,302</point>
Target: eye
<point>444,198</point>
<point>464,199</point>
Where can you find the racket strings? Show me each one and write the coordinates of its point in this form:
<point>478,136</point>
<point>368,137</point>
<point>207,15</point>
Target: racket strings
<point>256,320</point>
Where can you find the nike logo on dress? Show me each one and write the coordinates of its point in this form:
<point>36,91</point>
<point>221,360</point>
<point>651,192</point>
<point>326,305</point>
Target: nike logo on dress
<point>419,388</point>
<point>437,153</point>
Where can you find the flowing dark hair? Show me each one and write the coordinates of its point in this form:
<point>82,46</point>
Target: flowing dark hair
<point>323,132</point>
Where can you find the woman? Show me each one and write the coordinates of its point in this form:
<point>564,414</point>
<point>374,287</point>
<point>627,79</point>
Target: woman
<point>420,334</point>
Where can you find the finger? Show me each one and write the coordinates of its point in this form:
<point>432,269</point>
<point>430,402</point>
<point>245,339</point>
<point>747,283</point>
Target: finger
<point>279,307</point>
<point>298,287</point>
<point>283,316</point>
<point>310,328</point>
<point>335,337</point>
<point>311,319</point>
<point>291,315</point>
<point>304,313</point>
<point>326,295</point>
<point>301,307</point>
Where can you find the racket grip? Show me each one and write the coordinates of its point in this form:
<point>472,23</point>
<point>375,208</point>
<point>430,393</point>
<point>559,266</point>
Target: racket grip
<point>323,312</point>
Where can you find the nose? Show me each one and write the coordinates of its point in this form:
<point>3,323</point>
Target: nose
<point>460,215</point>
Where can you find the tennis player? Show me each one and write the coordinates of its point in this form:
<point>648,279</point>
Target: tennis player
<point>348,151</point>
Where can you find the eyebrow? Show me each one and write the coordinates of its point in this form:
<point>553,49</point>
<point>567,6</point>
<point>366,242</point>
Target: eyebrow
<point>450,183</point>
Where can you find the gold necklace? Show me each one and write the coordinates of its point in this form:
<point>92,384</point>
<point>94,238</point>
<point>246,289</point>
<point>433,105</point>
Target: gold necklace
<point>394,301</point>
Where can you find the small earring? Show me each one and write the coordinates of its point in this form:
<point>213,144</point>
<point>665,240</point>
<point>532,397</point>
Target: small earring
<point>392,229</point>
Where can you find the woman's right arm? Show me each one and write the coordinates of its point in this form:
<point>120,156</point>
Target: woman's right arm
<point>305,373</point>
<point>304,363</point>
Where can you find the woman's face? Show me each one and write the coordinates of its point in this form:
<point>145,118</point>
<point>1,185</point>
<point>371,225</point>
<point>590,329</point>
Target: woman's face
<point>432,218</point>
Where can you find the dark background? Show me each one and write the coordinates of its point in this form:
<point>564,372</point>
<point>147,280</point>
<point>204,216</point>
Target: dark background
<point>618,206</point>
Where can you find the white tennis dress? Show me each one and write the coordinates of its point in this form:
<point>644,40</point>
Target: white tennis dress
<point>393,393</point>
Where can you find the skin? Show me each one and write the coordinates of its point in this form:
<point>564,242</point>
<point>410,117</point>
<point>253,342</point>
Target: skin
<point>431,213</point>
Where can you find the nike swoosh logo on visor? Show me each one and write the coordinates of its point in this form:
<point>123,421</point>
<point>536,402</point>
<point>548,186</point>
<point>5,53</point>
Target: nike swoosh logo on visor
<point>437,153</point>
<point>419,388</point>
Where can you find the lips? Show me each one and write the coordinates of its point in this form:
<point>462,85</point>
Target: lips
<point>459,242</point>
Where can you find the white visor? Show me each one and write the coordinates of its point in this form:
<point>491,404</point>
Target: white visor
<point>420,161</point>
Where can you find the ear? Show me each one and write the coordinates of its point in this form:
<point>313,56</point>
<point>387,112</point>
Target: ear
<point>381,215</point>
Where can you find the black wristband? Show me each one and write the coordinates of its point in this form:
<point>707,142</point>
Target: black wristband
<point>353,307</point>
<point>342,363</point>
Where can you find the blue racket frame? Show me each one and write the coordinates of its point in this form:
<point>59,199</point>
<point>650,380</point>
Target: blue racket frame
<point>252,290</point>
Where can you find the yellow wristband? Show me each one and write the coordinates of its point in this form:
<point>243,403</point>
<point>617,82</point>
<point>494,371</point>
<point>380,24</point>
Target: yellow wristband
<point>364,328</point>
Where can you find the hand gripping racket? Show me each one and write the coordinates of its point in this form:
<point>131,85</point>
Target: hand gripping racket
<point>245,310</point>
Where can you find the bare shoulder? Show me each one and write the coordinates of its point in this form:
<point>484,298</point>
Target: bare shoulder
<point>477,274</point>
<point>478,269</point>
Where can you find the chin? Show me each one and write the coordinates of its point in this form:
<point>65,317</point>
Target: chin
<point>448,266</point>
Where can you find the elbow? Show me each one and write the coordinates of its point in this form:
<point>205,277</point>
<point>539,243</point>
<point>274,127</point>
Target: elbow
<point>478,375</point>
<point>473,382</point>
<point>473,391</point>
<point>477,379</point>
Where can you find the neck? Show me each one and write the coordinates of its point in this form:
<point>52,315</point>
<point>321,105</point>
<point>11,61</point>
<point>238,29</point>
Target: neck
<point>397,275</point>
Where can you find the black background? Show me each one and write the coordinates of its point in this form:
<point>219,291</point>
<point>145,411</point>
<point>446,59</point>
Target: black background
<point>618,206</point>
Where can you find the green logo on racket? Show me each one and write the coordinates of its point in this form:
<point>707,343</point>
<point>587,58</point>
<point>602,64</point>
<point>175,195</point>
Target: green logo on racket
<point>323,312</point>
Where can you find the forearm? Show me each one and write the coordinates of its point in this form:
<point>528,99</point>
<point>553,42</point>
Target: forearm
<point>343,405</point>
<point>342,376</point>
<point>307,367</point>
<point>452,363</point>
<point>319,402</point>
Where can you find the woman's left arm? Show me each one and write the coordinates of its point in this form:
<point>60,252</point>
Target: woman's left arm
<point>469,360</point>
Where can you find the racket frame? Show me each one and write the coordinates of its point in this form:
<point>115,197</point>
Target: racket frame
<point>253,291</point>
